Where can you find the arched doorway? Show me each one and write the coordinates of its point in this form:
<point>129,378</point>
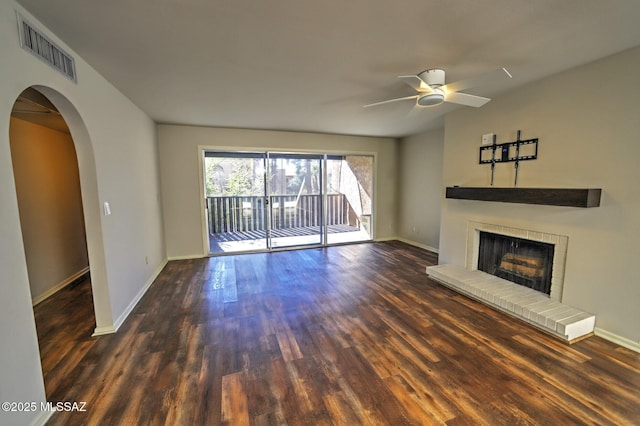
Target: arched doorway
<point>47,181</point>
<point>55,178</point>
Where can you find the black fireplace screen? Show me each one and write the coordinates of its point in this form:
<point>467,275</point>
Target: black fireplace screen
<point>525,262</point>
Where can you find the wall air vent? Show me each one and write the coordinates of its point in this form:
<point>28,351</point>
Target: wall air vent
<point>32,40</point>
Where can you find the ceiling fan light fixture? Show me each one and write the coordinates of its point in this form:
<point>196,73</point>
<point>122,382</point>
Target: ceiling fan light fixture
<point>431,99</point>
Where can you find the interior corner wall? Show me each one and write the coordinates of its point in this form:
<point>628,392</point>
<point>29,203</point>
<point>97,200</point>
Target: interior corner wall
<point>586,120</point>
<point>119,152</point>
<point>50,203</point>
<point>420,189</point>
<point>180,174</point>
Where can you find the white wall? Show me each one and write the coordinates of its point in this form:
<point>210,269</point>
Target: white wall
<point>420,189</point>
<point>117,158</point>
<point>587,123</point>
<point>180,174</point>
<point>45,169</point>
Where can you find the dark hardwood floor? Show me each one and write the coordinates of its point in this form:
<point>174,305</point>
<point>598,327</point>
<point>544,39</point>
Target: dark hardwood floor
<point>347,335</point>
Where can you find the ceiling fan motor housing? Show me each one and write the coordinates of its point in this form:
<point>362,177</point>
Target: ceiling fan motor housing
<point>433,77</point>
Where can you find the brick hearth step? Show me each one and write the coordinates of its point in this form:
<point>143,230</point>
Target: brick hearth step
<point>534,307</point>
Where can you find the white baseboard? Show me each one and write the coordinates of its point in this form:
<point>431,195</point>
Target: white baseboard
<point>121,319</point>
<point>618,340</point>
<point>422,246</point>
<point>56,288</point>
<point>187,257</point>
<point>42,418</point>
<point>100,331</point>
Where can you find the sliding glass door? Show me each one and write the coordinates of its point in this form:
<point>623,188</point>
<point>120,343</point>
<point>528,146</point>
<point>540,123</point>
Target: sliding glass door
<point>235,201</point>
<point>262,201</point>
<point>295,196</point>
<point>349,198</point>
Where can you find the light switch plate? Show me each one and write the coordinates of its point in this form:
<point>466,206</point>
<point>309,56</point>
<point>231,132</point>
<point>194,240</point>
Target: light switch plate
<point>107,209</point>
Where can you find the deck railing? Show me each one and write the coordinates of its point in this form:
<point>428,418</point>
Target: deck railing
<point>242,214</point>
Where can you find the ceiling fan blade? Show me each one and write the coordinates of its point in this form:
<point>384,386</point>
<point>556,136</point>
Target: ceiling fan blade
<point>481,80</point>
<point>466,99</point>
<point>416,82</point>
<point>391,100</point>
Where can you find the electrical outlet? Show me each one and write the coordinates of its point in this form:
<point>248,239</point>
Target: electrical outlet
<point>487,139</point>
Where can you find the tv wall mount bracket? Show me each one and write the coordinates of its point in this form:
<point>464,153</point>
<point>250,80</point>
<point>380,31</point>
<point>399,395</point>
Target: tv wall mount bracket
<point>516,151</point>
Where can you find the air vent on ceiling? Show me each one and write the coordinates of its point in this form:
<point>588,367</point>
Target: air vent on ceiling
<point>32,40</point>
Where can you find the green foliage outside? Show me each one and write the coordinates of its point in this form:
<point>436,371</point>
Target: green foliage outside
<point>233,177</point>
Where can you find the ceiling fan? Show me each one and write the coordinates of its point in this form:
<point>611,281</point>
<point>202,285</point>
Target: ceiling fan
<point>432,91</point>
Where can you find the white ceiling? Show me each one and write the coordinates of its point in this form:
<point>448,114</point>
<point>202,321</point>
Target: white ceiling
<point>311,65</point>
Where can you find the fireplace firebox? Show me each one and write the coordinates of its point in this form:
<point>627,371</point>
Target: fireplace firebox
<point>525,262</point>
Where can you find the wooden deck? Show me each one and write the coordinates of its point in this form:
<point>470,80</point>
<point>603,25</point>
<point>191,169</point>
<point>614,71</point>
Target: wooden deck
<point>306,235</point>
<point>345,335</point>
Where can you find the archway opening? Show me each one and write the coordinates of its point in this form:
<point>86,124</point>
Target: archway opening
<point>50,203</point>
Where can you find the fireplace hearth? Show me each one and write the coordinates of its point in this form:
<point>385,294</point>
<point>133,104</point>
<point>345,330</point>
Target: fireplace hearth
<point>537,256</point>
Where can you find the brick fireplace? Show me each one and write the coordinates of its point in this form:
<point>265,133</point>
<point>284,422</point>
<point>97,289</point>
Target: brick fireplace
<point>539,308</point>
<point>558,242</point>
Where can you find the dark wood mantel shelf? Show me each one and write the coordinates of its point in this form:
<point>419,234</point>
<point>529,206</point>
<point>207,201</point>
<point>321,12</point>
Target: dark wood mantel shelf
<point>568,197</point>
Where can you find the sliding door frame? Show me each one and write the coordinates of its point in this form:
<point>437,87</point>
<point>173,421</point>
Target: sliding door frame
<point>286,213</point>
<point>325,154</point>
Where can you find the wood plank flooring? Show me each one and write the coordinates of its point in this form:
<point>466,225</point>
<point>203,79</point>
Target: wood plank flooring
<point>346,335</point>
